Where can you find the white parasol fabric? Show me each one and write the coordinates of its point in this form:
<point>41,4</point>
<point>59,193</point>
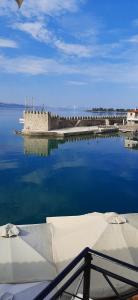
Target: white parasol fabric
<point>9,230</point>
<point>27,257</point>
<point>24,291</point>
<point>109,233</point>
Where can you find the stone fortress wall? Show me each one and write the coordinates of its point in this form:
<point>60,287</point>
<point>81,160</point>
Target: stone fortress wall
<point>44,121</point>
<point>36,121</point>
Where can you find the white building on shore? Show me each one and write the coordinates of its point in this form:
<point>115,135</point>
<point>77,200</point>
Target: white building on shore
<point>132,117</point>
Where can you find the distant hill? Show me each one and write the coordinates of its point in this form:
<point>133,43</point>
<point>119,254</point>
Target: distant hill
<point>11,105</point>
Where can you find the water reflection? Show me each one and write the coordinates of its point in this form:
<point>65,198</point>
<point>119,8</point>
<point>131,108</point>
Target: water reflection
<point>42,146</point>
<point>42,177</point>
<point>131,141</point>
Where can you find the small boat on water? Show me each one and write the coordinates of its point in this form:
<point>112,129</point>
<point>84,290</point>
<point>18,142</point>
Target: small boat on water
<point>21,121</point>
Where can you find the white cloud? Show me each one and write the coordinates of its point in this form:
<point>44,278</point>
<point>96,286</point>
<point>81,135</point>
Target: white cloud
<point>77,83</point>
<point>73,49</point>
<point>7,43</point>
<point>133,39</point>
<point>135,22</point>
<point>35,8</point>
<point>36,29</point>
<point>126,73</point>
<point>34,66</point>
<point>114,50</point>
<point>39,31</point>
<point>8,7</point>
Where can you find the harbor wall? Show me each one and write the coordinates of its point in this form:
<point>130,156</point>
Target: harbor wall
<point>45,121</point>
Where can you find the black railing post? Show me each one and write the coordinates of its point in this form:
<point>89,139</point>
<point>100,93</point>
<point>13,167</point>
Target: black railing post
<point>87,276</point>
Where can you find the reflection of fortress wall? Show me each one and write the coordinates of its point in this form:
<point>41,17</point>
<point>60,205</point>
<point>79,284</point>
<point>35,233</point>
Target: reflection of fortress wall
<point>45,121</point>
<point>35,146</point>
<point>88,137</point>
<point>43,146</point>
<point>39,146</point>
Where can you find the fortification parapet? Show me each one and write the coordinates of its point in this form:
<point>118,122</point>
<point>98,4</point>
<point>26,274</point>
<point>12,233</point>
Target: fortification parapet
<point>37,121</point>
<point>42,121</point>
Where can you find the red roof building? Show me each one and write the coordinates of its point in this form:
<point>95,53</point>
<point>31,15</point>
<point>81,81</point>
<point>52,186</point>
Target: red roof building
<point>132,117</point>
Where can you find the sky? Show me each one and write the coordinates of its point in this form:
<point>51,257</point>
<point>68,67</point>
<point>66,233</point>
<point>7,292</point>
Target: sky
<point>69,52</point>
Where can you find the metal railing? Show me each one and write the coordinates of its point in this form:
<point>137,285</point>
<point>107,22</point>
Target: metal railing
<point>83,264</point>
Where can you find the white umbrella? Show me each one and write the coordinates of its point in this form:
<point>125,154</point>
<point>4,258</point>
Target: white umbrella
<point>26,257</point>
<point>108,233</point>
<point>24,291</point>
<point>9,230</point>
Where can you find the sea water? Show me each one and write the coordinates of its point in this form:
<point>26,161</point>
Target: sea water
<point>41,177</point>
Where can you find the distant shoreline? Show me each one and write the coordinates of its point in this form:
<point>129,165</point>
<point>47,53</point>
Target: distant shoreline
<point>92,110</point>
<point>12,105</point>
<point>118,110</point>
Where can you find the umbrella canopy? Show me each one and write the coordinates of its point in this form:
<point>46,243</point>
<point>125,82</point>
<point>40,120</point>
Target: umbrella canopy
<point>9,230</point>
<point>27,257</point>
<point>19,2</point>
<point>27,291</point>
<point>108,233</point>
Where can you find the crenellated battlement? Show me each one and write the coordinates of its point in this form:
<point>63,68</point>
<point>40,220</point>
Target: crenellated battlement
<point>39,112</point>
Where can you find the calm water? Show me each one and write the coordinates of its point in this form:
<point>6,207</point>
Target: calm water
<point>40,177</point>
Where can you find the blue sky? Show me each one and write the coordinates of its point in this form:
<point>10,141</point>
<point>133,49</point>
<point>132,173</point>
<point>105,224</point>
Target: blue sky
<point>69,52</point>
